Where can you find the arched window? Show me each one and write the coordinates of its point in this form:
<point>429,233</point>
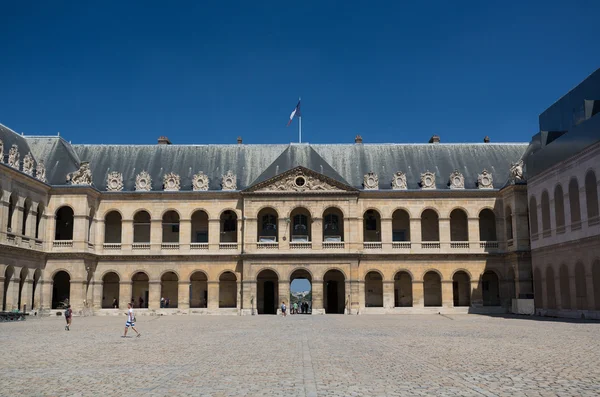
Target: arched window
<point>200,227</point>
<point>559,209</point>
<point>372,226</point>
<point>267,225</point>
<point>170,227</point>
<point>591,198</point>
<point>64,224</point>
<point>459,229</point>
<point>533,219</point>
<point>546,226</point>
<point>141,227</point>
<point>574,204</point>
<point>509,225</point>
<point>333,225</point>
<point>400,226</point>
<point>228,227</point>
<point>300,225</point>
<point>487,225</point>
<point>112,228</point>
<point>430,226</point>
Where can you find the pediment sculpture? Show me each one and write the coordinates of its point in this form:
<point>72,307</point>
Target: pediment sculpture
<point>485,180</point>
<point>114,181</point>
<point>14,157</point>
<point>371,181</point>
<point>457,180</point>
<point>1,151</point>
<point>40,171</point>
<point>200,182</point>
<point>229,181</point>
<point>299,182</point>
<point>83,176</point>
<point>143,182</point>
<point>516,171</point>
<point>399,181</point>
<point>28,163</point>
<point>171,182</point>
<point>428,180</point>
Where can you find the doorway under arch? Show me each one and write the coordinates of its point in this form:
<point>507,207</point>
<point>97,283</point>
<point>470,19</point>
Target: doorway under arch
<point>301,286</point>
<point>110,290</point>
<point>403,296</point>
<point>61,290</point>
<point>334,292</point>
<point>491,289</point>
<point>227,290</point>
<point>169,289</point>
<point>432,289</point>
<point>267,286</point>
<point>373,289</point>
<point>461,289</point>
<point>198,290</point>
<point>140,289</point>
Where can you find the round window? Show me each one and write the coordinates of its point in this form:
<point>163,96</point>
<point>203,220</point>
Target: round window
<point>300,181</point>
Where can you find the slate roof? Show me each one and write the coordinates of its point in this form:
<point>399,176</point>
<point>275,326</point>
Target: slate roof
<point>9,138</point>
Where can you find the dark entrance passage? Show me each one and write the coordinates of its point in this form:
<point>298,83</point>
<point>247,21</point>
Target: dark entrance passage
<point>334,292</point>
<point>61,290</point>
<point>267,290</point>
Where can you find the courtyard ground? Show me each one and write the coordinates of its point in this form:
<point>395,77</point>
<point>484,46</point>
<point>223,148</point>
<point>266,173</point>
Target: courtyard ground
<point>332,355</point>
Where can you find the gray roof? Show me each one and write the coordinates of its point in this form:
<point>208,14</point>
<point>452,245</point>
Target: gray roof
<point>345,163</point>
<point>9,138</point>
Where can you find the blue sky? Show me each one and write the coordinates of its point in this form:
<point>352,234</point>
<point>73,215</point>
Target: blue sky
<point>206,72</point>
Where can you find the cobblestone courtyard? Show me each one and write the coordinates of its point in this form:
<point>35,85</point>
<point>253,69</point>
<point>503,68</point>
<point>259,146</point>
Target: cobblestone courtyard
<point>465,355</point>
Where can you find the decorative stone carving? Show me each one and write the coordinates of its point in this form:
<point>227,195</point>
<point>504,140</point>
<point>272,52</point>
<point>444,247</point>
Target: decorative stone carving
<point>200,182</point>
<point>114,182</point>
<point>516,171</point>
<point>1,151</point>
<point>229,181</point>
<point>171,182</point>
<point>28,163</point>
<point>457,180</point>
<point>14,157</point>
<point>83,176</point>
<point>299,182</point>
<point>40,171</point>
<point>143,182</point>
<point>485,180</point>
<point>428,180</point>
<point>371,181</point>
<point>399,181</point>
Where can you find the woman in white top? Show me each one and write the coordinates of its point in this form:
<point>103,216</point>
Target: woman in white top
<point>130,322</point>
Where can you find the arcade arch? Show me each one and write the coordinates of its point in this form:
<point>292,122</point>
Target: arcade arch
<point>403,289</point>
<point>461,289</point>
<point>198,290</point>
<point>227,290</point>
<point>373,289</point>
<point>334,291</point>
<point>267,290</point>
<point>110,290</point>
<point>61,289</point>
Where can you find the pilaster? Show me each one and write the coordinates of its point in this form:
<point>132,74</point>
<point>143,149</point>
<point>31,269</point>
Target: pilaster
<point>185,237</point>
<point>213,295</point>
<point>154,294</point>
<point>418,293</point>
<point>155,236</point>
<point>126,235</point>
<point>444,228</point>
<point>388,294</point>
<point>183,294</point>
<point>447,294</point>
<point>214,237</point>
<point>249,295</point>
<point>125,293</point>
<point>317,297</point>
<point>386,235</point>
<point>415,231</point>
<point>284,292</point>
<point>317,234</point>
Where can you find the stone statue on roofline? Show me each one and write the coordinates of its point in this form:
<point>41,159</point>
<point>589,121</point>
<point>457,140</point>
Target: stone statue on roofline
<point>40,171</point>
<point>28,163</point>
<point>1,151</point>
<point>516,171</point>
<point>83,176</point>
<point>14,157</point>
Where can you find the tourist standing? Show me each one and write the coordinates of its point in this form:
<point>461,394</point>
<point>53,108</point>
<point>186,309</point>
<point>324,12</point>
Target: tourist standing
<point>162,302</point>
<point>68,317</point>
<point>283,308</point>
<point>167,303</point>
<point>295,307</point>
<point>130,321</point>
<point>115,303</point>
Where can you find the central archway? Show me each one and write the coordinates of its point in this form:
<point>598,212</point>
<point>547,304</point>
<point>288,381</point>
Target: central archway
<point>61,289</point>
<point>373,289</point>
<point>198,290</point>
<point>110,291</point>
<point>301,290</point>
<point>267,285</point>
<point>169,289</point>
<point>334,291</point>
<point>140,290</point>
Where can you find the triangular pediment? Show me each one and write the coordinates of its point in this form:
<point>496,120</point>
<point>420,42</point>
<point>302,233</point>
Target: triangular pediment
<point>300,180</point>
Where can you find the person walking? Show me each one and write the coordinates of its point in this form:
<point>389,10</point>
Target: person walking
<point>283,308</point>
<point>130,321</point>
<point>68,317</point>
<point>115,303</point>
<point>295,307</point>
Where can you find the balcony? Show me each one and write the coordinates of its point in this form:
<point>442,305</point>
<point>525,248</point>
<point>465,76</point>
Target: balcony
<point>401,245</point>
<point>490,244</point>
<point>140,246</point>
<point>169,246</point>
<point>199,246</point>
<point>430,245</point>
<point>228,246</point>
<point>333,245</point>
<point>111,246</point>
<point>62,244</point>
<point>459,245</point>
<point>372,245</point>
<point>270,245</point>
<point>300,245</point>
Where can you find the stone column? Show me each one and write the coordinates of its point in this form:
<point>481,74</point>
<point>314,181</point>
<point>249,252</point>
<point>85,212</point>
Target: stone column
<point>317,234</point>
<point>12,293</point>
<point>284,238</point>
<point>361,295</point>
<point>476,293</point>
<point>317,297</point>
<point>154,294</point>
<point>17,219</point>
<point>49,233</point>
<point>155,235</point>
<point>100,234</point>
<point>355,303</point>
<point>447,294</point>
<point>249,297</point>
<point>284,292</point>
<point>77,294</point>
<point>183,294</point>
<point>37,295</point>
<point>214,235</point>
<point>46,301</point>
<point>125,292</point>
<point>444,225</point>
<point>388,294</point>
<point>26,294</point>
<point>80,232</point>
<point>415,233</point>
<point>3,213</point>
<point>31,220</point>
<point>213,295</point>
<point>348,236</point>
<point>98,293</point>
<point>473,228</point>
<point>386,234</point>
<point>589,288</point>
<point>418,293</point>
<point>126,235</point>
<point>185,236</point>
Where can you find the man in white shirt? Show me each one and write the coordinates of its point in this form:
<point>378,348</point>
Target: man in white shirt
<point>130,321</point>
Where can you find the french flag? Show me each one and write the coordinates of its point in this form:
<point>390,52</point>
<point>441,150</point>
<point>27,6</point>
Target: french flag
<point>295,112</point>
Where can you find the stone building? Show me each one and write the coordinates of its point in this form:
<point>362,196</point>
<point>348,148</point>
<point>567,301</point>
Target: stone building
<point>563,168</point>
<point>375,228</point>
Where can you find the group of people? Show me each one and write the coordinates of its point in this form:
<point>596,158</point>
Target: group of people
<point>302,308</point>
<point>164,303</point>
<point>129,323</point>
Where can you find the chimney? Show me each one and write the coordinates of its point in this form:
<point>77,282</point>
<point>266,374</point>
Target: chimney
<point>434,139</point>
<point>358,139</point>
<point>486,139</point>
<point>239,140</point>
<point>163,140</point>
